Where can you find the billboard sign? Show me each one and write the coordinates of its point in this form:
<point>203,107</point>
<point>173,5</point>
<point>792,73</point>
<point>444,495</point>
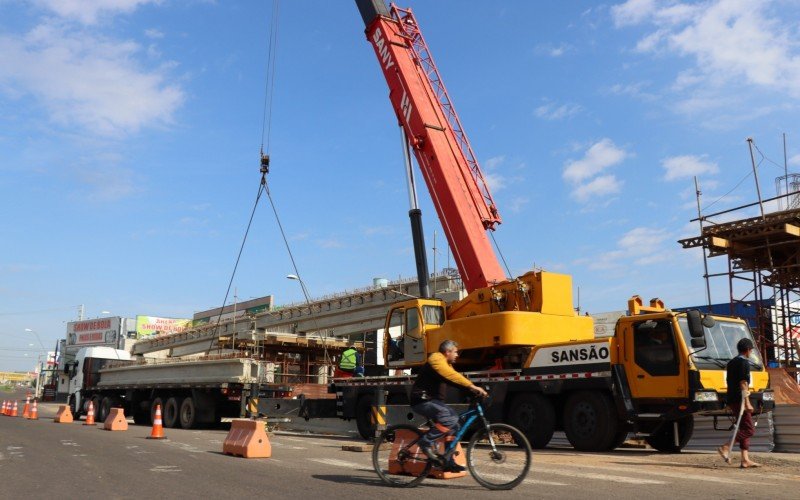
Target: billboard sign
<point>100,331</point>
<point>148,326</point>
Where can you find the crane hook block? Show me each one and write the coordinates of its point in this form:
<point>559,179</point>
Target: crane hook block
<point>264,163</point>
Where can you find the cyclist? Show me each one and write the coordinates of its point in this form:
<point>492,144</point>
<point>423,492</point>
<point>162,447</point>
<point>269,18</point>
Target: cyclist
<point>428,394</point>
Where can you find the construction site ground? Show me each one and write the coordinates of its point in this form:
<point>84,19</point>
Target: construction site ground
<point>42,459</point>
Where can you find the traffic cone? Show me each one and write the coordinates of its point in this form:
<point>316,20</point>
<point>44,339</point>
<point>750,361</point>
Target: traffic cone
<point>14,410</point>
<point>90,415</point>
<point>34,412</point>
<point>26,410</point>
<point>5,405</point>
<point>158,428</point>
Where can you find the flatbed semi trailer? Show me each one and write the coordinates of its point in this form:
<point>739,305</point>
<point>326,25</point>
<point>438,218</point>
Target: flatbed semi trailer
<point>191,393</point>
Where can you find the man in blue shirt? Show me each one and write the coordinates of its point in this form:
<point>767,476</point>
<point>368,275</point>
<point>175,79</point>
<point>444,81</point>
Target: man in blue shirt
<point>738,378</point>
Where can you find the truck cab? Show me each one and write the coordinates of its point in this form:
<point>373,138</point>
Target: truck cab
<point>85,372</point>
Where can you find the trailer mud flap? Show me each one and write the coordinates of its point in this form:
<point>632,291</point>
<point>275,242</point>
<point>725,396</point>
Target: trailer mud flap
<point>301,407</point>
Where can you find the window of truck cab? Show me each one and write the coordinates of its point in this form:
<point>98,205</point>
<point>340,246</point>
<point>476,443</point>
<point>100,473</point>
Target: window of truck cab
<point>721,342</point>
<point>433,315</point>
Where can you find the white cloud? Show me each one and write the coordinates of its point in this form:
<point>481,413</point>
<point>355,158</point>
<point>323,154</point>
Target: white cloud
<point>518,203</point>
<point>153,33</point>
<point>603,185</point>
<point>687,166</point>
<point>641,246</point>
<point>730,42</point>
<point>551,50</point>
<point>88,80</point>
<point>794,160</point>
<point>600,156</point>
<point>552,111</point>
<point>107,183</point>
<point>494,162</point>
<point>89,11</point>
<point>494,180</point>
<point>632,12</point>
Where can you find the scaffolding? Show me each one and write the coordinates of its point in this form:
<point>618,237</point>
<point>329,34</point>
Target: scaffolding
<point>763,267</point>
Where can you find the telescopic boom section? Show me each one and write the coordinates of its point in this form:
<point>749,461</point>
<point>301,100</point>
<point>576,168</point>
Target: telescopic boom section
<point>451,171</point>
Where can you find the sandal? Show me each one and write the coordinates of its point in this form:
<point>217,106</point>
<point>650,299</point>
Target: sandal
<point>721,451</point>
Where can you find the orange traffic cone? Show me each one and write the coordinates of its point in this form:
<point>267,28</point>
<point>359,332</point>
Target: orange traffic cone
<point>90,415</point>
<point>14,410</point>
<point>26,410</point>
<point>34,412</point>
<point>5,405</point>
<point>158,428</point>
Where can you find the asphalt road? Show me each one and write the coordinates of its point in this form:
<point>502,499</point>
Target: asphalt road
<point>41,459</point>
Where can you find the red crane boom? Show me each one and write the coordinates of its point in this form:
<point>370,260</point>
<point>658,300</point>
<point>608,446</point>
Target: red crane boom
<point>424,109</point>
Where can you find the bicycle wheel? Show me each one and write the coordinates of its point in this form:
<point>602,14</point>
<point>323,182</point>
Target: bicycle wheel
<point>397,460</point>
<point>503,466</point>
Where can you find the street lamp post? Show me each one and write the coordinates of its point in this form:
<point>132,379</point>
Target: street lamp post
<point>40,378</point>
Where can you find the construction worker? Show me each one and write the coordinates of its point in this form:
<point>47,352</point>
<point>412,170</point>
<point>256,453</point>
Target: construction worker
<point>348,363</point>
<point>738,378</point>
<point>428,394</point>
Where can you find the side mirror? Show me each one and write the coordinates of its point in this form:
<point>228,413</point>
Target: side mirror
<point>696,323</point>
<point>699,343</point>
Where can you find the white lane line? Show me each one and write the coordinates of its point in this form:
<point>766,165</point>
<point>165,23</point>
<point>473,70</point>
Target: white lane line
<point>297,448</point>
<point>545,483</point>
<point>165,468</point>
<point>599,477</point>
<point>14,448</point>
<point>674,475</point>
<point>69,442</point>
<point>2,457</point>
<point>337,463</point>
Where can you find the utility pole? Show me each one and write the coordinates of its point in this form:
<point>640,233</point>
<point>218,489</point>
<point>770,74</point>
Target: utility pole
<point>705,258</point>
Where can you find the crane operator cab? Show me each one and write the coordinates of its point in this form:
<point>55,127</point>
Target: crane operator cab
<point>407,326</point>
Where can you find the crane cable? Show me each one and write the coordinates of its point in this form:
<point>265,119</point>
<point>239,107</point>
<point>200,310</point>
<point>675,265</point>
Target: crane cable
<point>266,127</point>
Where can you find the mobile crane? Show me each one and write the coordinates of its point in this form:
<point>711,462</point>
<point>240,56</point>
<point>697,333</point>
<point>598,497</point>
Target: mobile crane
<point>521,336</point>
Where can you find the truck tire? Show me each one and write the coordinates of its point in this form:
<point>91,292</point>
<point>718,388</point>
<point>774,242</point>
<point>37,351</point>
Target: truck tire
<point>104,409</point>
<point>159,401</point>
<point>364,422</point>
<point>171,412</point>
<point>188,413</point>
<point>590,421</point>
<point>534,415</point>
<point>96,400</point>
<point>663,439</point>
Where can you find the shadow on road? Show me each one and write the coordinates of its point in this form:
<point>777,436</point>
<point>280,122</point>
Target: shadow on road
<point>429,483</point>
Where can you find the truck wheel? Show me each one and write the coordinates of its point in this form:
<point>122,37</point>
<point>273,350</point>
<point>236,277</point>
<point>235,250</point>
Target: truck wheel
<point>621,437</point>
<point>73,407</point>
<point>364,423</point>
<point>663,439</point>
<point>96,400</point>
<point>159,401</point>
<point>533,414</point>
<point>590,421</point>
<point>105,408</point>
<point>171,411</point>
<point>188,413</point>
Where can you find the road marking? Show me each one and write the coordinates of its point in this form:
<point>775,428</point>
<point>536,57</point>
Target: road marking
<point>69,442</point>
<point>337,463</point>
<point>80,455</point>
<point>132,447</point>
<point>14,448</point>
<point>676,475</point>
<point>165,468</point>
<point>297,448</point>
<point>600,477</point>
<point>546,483</point>
<point>1,456</point>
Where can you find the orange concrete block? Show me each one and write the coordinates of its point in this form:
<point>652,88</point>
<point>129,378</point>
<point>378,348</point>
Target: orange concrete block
<point>402,438</point>
<point>116,420</point>
<point>248,439</point>
<point>64,415</point>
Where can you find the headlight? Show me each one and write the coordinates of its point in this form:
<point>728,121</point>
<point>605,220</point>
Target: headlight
<point>706,397</point>
<point>768,396</point>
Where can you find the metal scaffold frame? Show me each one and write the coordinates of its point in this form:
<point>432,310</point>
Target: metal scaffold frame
<point>763,255</point>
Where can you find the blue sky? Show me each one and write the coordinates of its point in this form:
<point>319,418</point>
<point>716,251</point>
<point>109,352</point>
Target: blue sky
<point>130,133</point>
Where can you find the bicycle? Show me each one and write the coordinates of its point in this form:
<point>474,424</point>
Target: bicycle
<point>498,455</point>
